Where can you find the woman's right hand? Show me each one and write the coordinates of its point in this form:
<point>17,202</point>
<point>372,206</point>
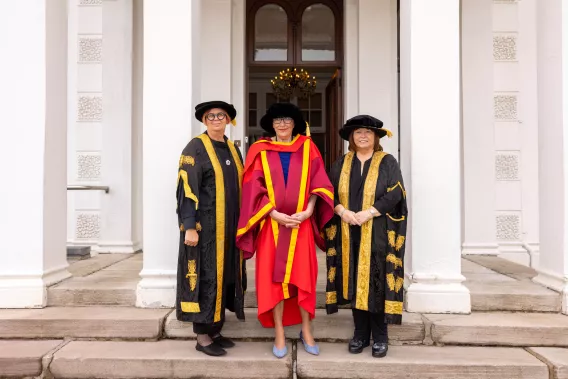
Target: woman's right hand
<point>191,237</point>
<point>284,219</point>
<point>349,217</point>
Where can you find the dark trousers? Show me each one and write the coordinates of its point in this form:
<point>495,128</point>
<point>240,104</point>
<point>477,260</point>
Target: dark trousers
<point>211,330</point>
<point>367,323</point>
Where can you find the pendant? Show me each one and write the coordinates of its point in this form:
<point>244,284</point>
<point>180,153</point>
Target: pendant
<point>228,162</point>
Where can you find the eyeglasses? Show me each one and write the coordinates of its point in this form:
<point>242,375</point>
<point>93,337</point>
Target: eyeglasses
<point>219,116</point>
<point>287,120</point>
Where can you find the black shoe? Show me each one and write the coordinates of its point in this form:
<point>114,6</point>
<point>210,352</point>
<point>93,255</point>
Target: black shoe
<point>212,349</point>
<point>380,349</point>
<point>223,342</point>
<point>356,346</point>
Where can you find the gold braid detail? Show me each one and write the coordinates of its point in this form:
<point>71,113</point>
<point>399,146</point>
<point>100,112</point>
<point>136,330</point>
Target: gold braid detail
<point>364,264</point>
<point>392,236</point>
<point>331,297</point>
<point>343,191</point>
<point>191,274</point>
<point>399,242</point>
<point>397,185</point>
<point>397,262</point>
<point>186,159</point>
<point>331,252</point>
<point>331,274</point>
<point>393,307</point>
<point>331,231</point>
<point>219,222</point>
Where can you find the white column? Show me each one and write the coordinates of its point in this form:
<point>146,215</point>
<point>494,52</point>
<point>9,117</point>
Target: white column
<point>216,35</point>
<point>430,116</point>
<point>377,66</point>
<point>239,92</point>
<point>33,94</point>
<point>553,145</point>
<point>118,163</point>
<point>478,128</point>
<point>170,52</point>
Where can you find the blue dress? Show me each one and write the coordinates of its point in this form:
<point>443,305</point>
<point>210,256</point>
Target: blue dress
<point>285,160</point>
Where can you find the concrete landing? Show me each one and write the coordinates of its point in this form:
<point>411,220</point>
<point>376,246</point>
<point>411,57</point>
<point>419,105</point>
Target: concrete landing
<point>110,279</point>
<point>495,284</point>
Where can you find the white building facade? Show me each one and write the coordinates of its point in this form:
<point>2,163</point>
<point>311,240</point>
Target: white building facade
<point>102,93</point>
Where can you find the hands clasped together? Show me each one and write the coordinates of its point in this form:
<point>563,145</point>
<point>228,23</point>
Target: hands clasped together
<point>292,221</point>
<point>358,218</point>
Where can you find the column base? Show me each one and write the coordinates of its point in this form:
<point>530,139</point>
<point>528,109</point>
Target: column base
<point>515,252</point>
<point>116,247</point>
<point>556,283</point>
<point>156,290</point>
<point>438,297</point>
<point>480,249</point>
<point>28,291</point>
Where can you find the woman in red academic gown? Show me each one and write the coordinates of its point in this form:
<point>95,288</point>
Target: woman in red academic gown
<point>287,200</point>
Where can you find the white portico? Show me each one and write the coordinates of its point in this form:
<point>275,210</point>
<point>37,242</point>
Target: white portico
<point>102,93</point>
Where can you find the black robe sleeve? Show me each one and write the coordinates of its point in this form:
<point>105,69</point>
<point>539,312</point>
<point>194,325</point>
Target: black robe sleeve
<point>331,229</point>
<point>393,205</point>
<point>395,187</point>
<point>189,182</point>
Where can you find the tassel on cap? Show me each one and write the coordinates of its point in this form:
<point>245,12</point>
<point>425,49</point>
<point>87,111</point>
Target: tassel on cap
<point>234,122</point>
<point>308,129</point>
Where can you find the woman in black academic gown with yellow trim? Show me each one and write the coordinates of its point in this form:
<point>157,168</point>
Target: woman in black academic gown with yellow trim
<point>365,239</point>
<point>211,271</point>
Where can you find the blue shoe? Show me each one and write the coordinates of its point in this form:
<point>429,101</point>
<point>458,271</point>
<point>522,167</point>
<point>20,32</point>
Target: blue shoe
<point>314,350</point>
<point>279,353</point>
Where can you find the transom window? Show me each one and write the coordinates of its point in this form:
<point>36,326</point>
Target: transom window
<point>294,33</point>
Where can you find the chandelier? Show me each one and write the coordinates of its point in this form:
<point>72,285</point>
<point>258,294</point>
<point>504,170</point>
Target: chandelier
<point>293,82</point>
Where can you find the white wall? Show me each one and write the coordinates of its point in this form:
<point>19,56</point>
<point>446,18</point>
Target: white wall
<point>370,73</point>
<point>516,130</point>
<point>478,141</point>
<point>223,29</point>
<point>119,142</point>
<point>84,117</point>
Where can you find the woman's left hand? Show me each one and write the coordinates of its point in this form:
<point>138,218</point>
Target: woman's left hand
<point>302,216</point>
<point>363,216</point>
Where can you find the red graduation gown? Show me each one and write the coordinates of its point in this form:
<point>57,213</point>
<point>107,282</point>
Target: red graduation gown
<point>286,262</point>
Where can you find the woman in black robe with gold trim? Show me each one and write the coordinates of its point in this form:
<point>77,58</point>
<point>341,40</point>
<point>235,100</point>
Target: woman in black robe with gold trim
<point>211,270</point>
<point>365,239</point>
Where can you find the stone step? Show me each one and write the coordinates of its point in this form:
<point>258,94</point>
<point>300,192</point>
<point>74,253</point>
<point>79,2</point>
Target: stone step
<point>99,291</point>
<point>421,362</point>
<point>336,327</point>
<point>555,358</point>
<point>174,359</point>
<point>166,359</point>
<point>500,329</point>
<point>515,296</point>
<point>22,359</point>
<point>82,322</point>
<point>107,279</point>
